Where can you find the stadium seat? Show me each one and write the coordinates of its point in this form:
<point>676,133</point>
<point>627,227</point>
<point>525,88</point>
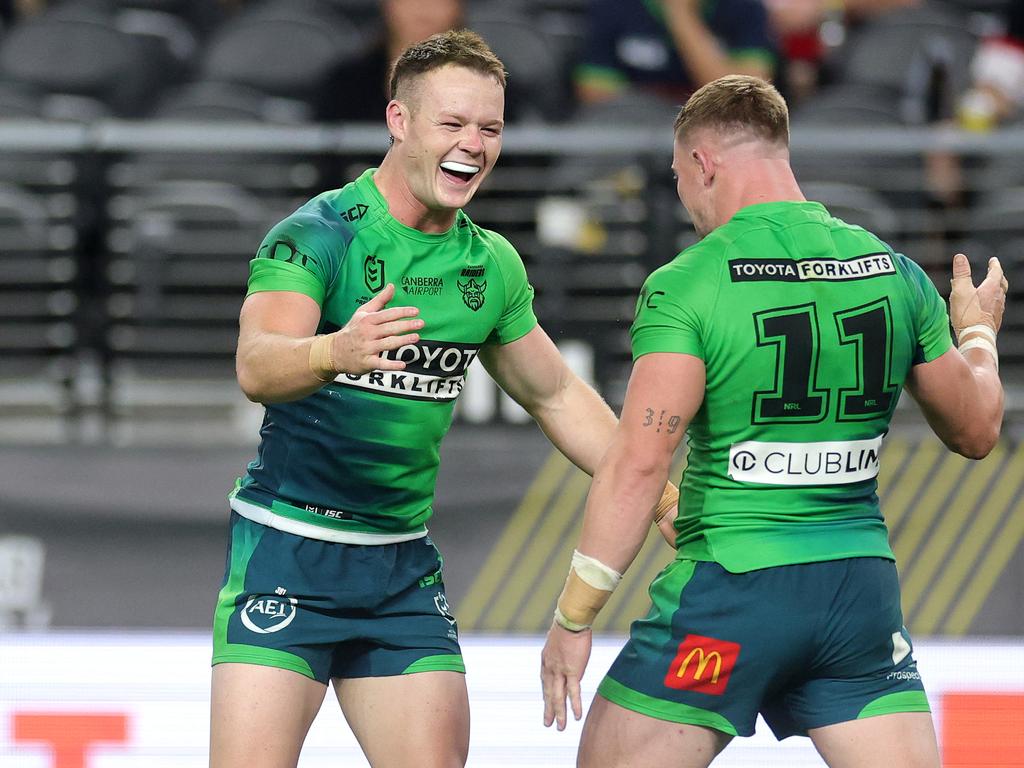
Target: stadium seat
<point>286,50</point>
<point>78,52</point>
<point>850,105</point>
<point>175,279</point>
<point>39,310</point>
<point>856,205</point>
<point>538,87</point>
<point>922,53</point>
<point>202,16</point>
<point>214,101</point>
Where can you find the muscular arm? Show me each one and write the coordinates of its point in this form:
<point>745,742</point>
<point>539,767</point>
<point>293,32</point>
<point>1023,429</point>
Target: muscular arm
<point>962,399</point>
<point>960,391</point>
<point>275,336</point>
<point>275,331</point>
<point>573,416</point>
<point>665,391</point>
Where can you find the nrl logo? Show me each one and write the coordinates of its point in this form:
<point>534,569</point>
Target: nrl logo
<point>373,272</point>
<point>473,293</point>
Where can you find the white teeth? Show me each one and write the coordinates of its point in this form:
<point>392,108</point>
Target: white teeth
<point>451,165</point>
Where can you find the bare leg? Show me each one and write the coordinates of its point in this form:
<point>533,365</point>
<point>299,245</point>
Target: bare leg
<point>615,737</point>
<point>259,716</point>
<point>409,721</point>
<point>903,740</point>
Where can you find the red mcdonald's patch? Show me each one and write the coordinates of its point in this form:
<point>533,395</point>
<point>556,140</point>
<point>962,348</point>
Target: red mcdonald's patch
<point>703,664</point>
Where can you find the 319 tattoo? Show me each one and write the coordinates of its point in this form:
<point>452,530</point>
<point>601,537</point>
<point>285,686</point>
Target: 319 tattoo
<point>670,424</point>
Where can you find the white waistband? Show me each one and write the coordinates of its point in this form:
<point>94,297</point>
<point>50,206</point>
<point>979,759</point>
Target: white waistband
<point>271,519</point>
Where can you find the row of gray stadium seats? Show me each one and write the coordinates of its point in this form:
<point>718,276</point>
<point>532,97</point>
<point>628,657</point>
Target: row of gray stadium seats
<point>277,61</point>
<point>284,61</point>
<point>123,272</point>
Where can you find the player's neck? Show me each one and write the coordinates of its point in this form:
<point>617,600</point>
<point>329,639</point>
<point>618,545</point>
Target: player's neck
<point>405,207</point>
<point>763,181</point>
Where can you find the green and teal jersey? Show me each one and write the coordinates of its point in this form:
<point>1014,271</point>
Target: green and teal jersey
<point>357,460</point>
<point>808,328</point>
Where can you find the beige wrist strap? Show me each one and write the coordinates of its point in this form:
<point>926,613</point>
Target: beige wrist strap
<point>669,501</point>
<point>587,588</point>
<point>320,361</point>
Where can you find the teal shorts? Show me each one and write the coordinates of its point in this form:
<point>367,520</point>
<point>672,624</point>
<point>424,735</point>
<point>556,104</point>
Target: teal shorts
<point>330,610</point>
<point>804,645</point>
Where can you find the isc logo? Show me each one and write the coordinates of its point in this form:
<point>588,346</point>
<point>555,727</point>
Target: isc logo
<point>702,664</point>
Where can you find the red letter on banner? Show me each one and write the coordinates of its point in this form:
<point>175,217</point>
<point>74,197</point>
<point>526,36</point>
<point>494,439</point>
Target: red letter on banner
<point>69,735</point>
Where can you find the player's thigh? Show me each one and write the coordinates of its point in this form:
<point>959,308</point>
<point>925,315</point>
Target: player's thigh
<point>247,703</point>
<point>615,737</point>
<point>418,720</point>
<point>900,740</point>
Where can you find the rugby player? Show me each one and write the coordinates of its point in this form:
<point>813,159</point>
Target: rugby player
<point>779,344</point>
<point>365,308</point>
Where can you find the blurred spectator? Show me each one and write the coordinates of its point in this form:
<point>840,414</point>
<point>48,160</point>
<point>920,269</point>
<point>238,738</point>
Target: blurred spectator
<point>809,29</point>
<point>671,47</point>
<point>997,72</point>
<point>359,90</point>
<point>12,10</point>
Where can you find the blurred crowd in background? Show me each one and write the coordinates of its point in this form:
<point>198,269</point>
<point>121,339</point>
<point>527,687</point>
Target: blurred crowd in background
<point>329,58</point>
<point>125,247</point>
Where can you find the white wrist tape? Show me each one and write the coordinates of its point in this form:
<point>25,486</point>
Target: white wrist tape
<point>572,626</point>
<point>982,328</point>
<point>587,588</point>
<point>594,572</point>
<point>979,343</point>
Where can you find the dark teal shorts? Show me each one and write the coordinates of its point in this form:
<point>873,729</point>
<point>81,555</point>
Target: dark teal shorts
<point>330,610</point>
<point>803,645</point>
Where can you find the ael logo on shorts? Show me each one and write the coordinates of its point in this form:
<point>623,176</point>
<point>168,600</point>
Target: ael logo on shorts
<point>264,614</point>
<point>702,664</point>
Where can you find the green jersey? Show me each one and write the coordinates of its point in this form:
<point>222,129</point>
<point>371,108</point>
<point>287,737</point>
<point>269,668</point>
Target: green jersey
<point>808,328</point>
<point>357,460</point>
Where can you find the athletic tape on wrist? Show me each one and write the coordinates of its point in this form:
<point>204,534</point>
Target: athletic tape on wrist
<point>669,501</point>
<point>594,572</point>
<point>565,623</point>
<point>981,343</point>
<point>321,363</point>
<point>587,588</point>
<point>985,330</point>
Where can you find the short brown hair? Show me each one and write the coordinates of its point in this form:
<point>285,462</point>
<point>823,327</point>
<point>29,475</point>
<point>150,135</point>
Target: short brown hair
<point>461,48</point>
<point>737,103</point>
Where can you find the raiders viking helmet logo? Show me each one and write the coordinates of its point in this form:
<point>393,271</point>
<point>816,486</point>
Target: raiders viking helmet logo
<point>473,293</point>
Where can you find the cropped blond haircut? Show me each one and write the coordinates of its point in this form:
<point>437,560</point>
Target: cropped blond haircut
<point>736,104</point>
<point>461,48</point>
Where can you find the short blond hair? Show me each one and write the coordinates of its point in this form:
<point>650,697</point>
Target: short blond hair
<point>736,104</point>
<point>461,48</point>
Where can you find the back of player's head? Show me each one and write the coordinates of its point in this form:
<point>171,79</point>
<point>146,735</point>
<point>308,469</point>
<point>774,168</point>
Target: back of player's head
<point>461,48</point>
<point>736,104</point>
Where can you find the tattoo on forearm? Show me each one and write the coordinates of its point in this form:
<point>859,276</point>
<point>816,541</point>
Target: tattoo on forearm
<point>663,421</point>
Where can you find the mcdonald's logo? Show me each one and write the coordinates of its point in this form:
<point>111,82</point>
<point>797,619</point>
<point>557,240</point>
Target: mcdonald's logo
<point>702,664</point>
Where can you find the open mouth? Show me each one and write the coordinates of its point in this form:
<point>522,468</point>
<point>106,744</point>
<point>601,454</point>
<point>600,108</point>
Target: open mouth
<point>460,173</point>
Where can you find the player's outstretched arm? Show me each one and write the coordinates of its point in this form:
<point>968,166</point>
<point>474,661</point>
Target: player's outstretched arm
<point>571,413</point>
<point>665,391</point>
<point>575,418</point>
<point>960,392</point>
<point>280,359</point>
